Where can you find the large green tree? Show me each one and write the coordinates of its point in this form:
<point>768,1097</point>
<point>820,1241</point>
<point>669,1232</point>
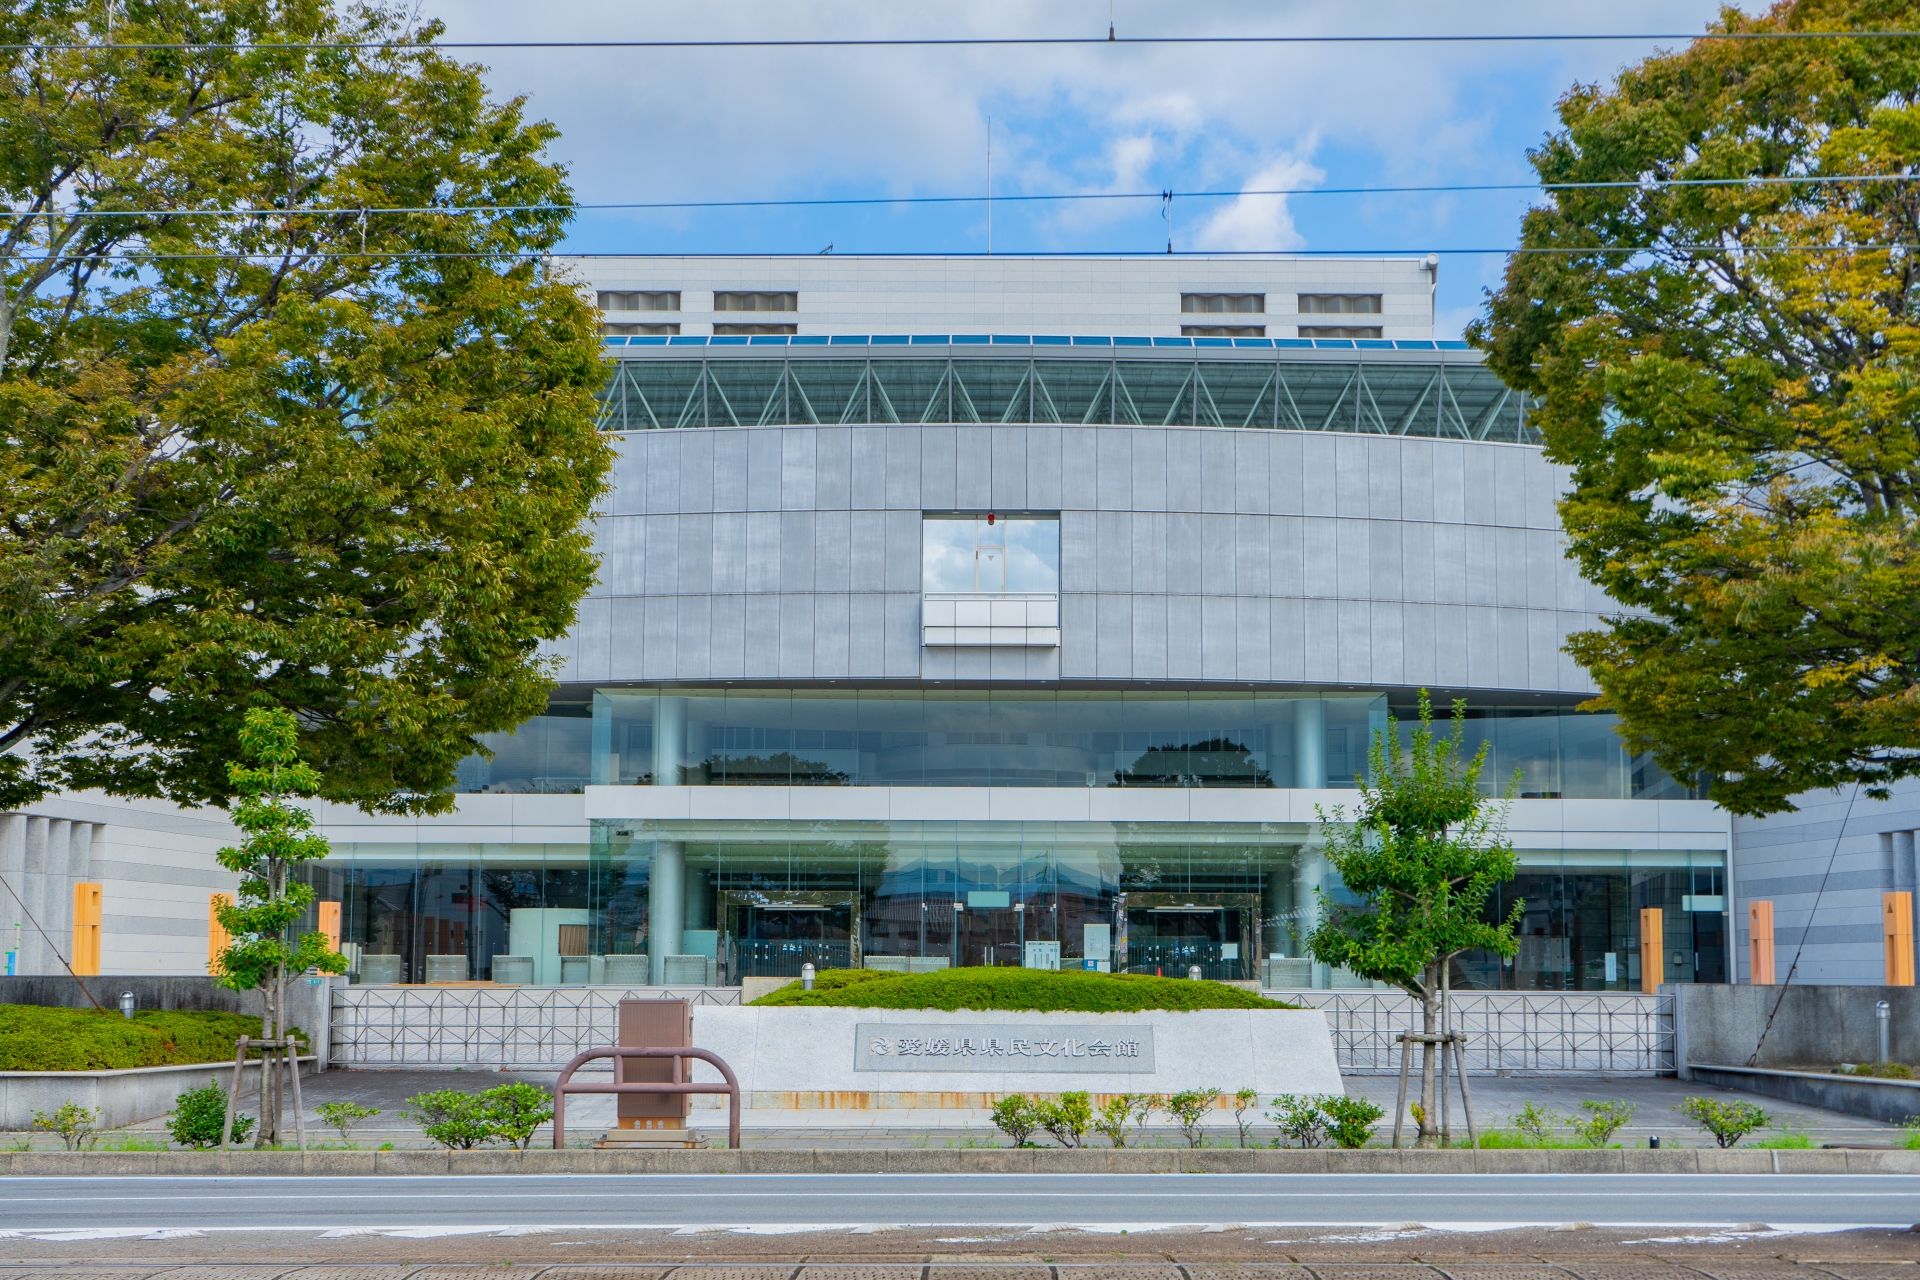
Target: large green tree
<point>1724,354</point>
<point>259,447</point>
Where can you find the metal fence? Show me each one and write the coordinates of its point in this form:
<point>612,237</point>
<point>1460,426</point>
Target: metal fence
<point>1533,1031</point>
<point>539,1028</point>
<point>507,1028</point>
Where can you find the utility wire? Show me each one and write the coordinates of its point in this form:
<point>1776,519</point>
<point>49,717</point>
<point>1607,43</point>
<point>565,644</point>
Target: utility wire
<point>1649,184</point>
<point>1839,835</point>
<point>899,42</point>
<point>50,945</point>
<point>544,255</point>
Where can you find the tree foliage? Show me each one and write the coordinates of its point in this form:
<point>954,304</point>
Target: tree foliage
<point>1729,372</point>
<point>264,950</point>
<point>316,452</point>
<point>1421,854</point>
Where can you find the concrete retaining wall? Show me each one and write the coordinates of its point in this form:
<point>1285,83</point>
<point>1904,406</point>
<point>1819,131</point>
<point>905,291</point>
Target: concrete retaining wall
<point>1816,1028</point>
<point>1889,1101</point>
<point>997,1160</point>
<point>121,1097</point>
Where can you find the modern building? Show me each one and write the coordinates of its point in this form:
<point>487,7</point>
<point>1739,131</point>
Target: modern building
<point>1015,611</point>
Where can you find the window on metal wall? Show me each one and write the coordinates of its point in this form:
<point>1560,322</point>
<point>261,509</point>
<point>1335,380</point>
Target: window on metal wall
<point>634,330</point>
<point>990,554</point>
<point>748,301</point>
<point>755,328</point>
<point>1219,303</point>
<point>1339,304</point>
<point>611,300</point>
<point>1223,331</point>
<point>1340,331</point>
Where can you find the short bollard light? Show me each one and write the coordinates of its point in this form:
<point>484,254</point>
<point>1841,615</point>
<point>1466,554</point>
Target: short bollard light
<point>1193,973</point>
<point>1653,1143</point>
<point>1883,1014</point>
<point>806,976</point>
<point>126,1005</point>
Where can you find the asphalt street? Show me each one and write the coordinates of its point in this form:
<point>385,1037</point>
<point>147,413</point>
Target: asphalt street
<point>1108,1200</point>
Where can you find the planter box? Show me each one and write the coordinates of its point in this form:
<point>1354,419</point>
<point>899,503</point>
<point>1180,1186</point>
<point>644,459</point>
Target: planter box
<point>1890,1101</point>
<point>121,1097</point>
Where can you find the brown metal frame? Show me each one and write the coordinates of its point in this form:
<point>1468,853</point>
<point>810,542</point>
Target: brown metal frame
<point>565,1085</point>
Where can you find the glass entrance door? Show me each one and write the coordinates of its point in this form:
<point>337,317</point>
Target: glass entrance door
<point>766,938</point>
<point>1167,934</point>
<point>991,936</point>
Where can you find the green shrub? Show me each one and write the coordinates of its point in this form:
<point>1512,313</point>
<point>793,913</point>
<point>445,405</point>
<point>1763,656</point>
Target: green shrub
<point>1536,1123</point>
<point>1350,1121</point>
<point>1189,1108</point>
<point>1244,1100</point>
<point>1603,1120</point>
<point>1005,988</point>
<point>342,1116</point>
<point>455,1120</point>
<point>198,1114</point>
<point>1124,1112</point>
<point>37,1038</point>
<point>1299,1117</point>
<point>72,1124</point>
<point>515,1110</point>
<point>1787,1142</point>
<point>1067,1118</point>
<point>1728,1122</point>
<point>1879,1070</point>
<point>1017,1116</point>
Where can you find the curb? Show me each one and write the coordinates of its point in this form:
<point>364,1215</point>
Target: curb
<point>916,1160</point>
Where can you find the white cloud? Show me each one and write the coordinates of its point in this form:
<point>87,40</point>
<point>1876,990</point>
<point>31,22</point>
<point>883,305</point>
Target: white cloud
<point>1257,222</point>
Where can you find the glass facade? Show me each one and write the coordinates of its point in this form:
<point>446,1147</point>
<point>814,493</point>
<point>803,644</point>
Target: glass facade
<point>744,898</point>
<point>1042,738</point>
<point>1455,401</point>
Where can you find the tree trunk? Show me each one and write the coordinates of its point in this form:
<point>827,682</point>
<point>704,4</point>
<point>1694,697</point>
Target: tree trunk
<point>1429,1116</point>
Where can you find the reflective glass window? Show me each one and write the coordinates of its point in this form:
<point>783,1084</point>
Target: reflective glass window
<point>1003,554</point>
<point>910,391</point>
<point>1073,391</point>
<point>1236,395</point>
<point>827,391</point>
<point>1318,397</point>
<point>1153,392</point>
<point>991,391</point>
<point>661,393</point>
<point>746,393</point>
<point>1397,400</point>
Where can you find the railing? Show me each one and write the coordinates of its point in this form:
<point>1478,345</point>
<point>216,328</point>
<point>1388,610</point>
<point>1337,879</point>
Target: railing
<point>566,1084</point>
<point>1532,1031</point>
<point>505,1028</point>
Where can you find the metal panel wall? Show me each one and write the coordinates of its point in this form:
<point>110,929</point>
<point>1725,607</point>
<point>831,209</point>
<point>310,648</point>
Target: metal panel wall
<point>1189,554</point>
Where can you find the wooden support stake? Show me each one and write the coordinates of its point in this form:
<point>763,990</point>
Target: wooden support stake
<point>233,1092</point>
<point>1400,1110</point>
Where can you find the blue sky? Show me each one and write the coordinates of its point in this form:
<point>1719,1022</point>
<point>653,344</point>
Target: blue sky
<point>764,124</point>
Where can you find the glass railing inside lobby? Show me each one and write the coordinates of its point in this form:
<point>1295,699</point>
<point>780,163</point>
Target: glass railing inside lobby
<point>1057,738</point>
<point>699,903</point>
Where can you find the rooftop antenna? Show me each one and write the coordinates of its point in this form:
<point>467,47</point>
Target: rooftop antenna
<point>989,186</point>
<point>828,249</point>
<point>1109,20</point>
<point>1166,211</point>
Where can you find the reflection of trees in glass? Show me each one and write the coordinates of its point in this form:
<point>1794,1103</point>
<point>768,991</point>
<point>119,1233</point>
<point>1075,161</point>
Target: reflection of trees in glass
<point>787,768</point>
<point>1217,762</point>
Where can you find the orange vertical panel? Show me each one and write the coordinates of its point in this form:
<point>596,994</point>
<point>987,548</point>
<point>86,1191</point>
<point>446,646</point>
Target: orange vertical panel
<point>1760,943</point>
<point>87,904</point>
<point>1653,949</point>
<point>330,924</point>
<point>1896,920</point>
<point>217,938</point>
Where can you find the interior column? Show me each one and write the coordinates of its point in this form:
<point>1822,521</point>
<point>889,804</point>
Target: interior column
<point>666,907</point>
<point>1310,744</point>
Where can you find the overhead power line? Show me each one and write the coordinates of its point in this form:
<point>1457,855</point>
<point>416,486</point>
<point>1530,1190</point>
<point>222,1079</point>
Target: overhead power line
<point>1652,184</point>
<point>407,255</point>
<point>922,42</point>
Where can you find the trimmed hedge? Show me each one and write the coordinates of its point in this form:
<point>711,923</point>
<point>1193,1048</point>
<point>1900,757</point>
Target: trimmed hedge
<point>37,1038</point>
<point>1040,990</point>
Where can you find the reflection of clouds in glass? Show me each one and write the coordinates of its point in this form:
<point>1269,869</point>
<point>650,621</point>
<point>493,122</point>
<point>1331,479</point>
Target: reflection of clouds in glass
<point>1008,555</point>
<point>1033,555</point>
<point>946,555</point>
